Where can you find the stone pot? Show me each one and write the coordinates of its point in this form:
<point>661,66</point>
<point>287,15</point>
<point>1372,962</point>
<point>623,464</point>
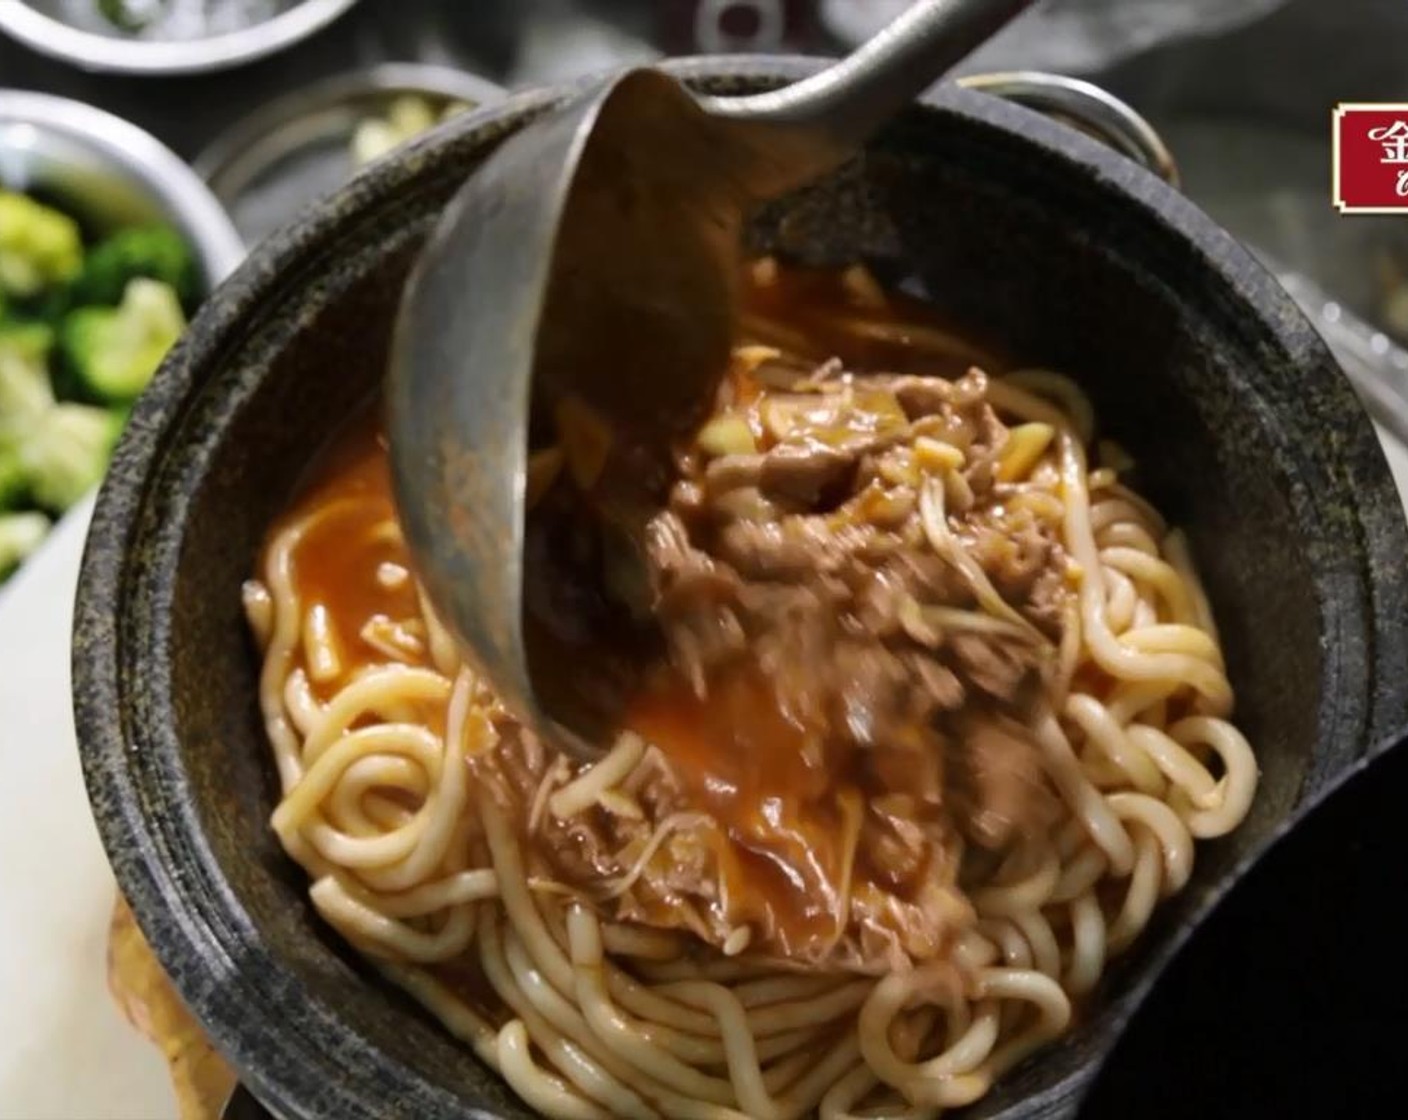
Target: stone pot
<point>1246,432</point>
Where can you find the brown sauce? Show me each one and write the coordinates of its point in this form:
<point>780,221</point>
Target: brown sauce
<point>823,317</point>
<point>337,564</point>
<point>753,767</point>
<point>738,754</point>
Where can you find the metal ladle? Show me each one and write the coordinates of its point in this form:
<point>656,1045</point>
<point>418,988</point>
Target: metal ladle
<point>591,261</point>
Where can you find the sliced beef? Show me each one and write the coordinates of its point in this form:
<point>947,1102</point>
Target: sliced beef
<point>790,550</point>
<point>940,686</point>
<point>808,563</point>
<point>1004,669</point>
<point>1000,787</point>
<point>929,396</point>
<point>694,600</point>
<point>733,472</point>
<point>756,558</point>
<point>805,473</point>
<point>1014,552</point>
<point>766,551</point>
<point>1047,602</point>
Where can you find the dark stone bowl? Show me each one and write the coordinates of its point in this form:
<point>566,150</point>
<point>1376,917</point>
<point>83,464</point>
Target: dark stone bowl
<point>1327,986</point>
<point>1247,433</point>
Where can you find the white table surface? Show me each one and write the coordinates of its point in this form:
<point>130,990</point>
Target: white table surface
<point>66,1052</point>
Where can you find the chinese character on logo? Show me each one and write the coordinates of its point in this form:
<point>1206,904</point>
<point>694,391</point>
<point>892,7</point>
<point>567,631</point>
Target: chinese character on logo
<point>1370,158</point>
<point>1394,138</point>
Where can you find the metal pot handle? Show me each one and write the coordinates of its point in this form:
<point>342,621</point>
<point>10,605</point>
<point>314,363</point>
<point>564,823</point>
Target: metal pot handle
<point>1084,106</point>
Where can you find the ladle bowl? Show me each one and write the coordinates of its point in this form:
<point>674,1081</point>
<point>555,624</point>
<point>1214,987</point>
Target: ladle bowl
<point>603,243</point>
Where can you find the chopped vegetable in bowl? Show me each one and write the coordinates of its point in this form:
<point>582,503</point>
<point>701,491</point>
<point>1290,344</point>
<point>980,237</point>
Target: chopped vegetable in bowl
<point>155,252</point>
<point>406,117</point>
<point>82,330</point>
<point>110,353</point>
<point>20,534</point>
<point>39,247</point>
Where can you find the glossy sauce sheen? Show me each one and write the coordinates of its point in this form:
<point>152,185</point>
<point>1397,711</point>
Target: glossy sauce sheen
<point>780,796</point>
<point>351,533</point>
<point>742,758</point>
<point>737,754</point>
<point>816,313</point>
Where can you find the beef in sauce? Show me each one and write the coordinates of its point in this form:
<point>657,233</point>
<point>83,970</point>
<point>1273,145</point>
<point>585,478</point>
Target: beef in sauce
<point>858,609</point>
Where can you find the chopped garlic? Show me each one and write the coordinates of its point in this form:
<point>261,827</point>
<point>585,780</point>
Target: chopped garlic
<point>373,139</point>
<point>935,456</point>
<point>543,468</point>
<point>410,115</point>
<point>751,355</point>
<point>862,287</point>
<point>405,118</point>
<point>727,435</point>
<point>585,439</point>
<point>1025,445</point>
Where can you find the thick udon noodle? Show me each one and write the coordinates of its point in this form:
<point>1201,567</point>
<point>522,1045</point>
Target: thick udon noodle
<point>418,868</point>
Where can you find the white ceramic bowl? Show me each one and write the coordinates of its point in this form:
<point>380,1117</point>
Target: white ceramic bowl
<point>45,26</point>
<point>110,173</point>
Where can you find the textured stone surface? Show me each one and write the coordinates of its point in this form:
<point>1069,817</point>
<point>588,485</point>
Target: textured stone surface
<point>1244,430</point>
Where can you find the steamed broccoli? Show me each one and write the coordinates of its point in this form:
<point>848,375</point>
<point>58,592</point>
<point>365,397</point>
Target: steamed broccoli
<point>155,252</point>
<point>26,340</point>
<point>20,535</point>
<point>25,392</point>
<point>39,247</point>
<point>110,353</point>
<point>93,329</point>
<point>67,452</point>
<point>25,395</point>
<point>14,486</point>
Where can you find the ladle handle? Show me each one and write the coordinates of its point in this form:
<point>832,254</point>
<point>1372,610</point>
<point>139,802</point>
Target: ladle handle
<point>847,102</point>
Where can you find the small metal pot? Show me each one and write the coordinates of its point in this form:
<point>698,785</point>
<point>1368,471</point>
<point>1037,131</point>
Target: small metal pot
<point>38,24</point>
<point>110,173</point>
<point>294,149</point>
<point>1247,434</point>
<point>1085,106</point>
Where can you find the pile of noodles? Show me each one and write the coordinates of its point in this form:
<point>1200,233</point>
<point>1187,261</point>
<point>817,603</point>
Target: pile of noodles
<point>421,868</point>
